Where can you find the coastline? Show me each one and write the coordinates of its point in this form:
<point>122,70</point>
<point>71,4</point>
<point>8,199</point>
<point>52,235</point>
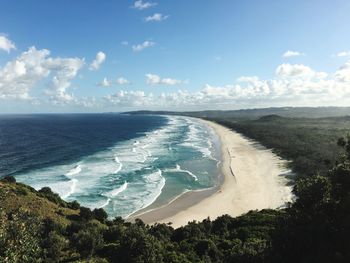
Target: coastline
<point>251,180</point>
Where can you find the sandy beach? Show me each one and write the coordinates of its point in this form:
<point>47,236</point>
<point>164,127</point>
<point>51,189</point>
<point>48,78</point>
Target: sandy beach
<point>252,179</point>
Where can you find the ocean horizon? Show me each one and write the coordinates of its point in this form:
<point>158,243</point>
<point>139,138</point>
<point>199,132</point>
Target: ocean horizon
<point>119,162</point>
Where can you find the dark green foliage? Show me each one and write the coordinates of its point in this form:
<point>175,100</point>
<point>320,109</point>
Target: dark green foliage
<point>54,246</point>
<point>47,193</point>
<point>20,237</point>
<point>74,205</point>
<point>100,214</point>
<point>310,144</point>
<point>88,240</point>
<point>9,179</point>
<point>85,213</point>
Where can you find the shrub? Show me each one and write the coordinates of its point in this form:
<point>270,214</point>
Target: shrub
<point>100,214</point>
<point>9,179</point>
<point>85,213</point>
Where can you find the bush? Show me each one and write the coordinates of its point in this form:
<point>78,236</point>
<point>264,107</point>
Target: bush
<point>85,213</point>
<point>54,246</point>
<point>88,240</point>
<point>9,179</point>
<point>100,214</point>
<point>74,205</point>
<point>51,196</point>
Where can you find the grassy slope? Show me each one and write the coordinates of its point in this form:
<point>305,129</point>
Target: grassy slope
<point>16,196</point>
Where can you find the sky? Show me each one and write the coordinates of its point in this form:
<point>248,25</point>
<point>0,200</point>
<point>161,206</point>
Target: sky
<point>103,56</point>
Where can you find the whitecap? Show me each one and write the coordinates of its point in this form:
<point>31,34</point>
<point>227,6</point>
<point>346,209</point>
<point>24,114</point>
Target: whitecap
<point>74,171</point>
<point>116,159</point>
<point>178,169</point>
<point>73,184</point>
<point>117,191</point>
<point>106,203</point>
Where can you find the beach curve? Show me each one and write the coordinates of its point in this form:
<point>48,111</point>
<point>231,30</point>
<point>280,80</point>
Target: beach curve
<point>251,181</point>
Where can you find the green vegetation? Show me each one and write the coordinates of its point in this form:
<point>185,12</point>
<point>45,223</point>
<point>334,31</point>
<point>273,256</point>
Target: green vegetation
<point>310,144</point>
<point>38,226</point>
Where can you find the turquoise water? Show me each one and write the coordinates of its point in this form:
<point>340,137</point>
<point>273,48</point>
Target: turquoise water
<point>153,167</point>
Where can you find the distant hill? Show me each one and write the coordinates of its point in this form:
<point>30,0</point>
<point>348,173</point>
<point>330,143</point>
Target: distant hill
<point>271,117</point>
<point>292,112</point>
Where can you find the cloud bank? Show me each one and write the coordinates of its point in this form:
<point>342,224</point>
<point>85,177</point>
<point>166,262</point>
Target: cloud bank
<point>293,85</point>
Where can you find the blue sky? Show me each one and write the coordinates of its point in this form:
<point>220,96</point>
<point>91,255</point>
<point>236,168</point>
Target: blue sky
<point>173,55</point>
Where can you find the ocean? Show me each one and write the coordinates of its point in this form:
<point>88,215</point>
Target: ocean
<point>122,163</point>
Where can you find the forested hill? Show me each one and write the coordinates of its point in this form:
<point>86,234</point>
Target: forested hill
<point>291,112</point>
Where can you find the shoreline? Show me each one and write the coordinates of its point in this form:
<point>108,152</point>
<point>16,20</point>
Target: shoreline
<point>250,179</point>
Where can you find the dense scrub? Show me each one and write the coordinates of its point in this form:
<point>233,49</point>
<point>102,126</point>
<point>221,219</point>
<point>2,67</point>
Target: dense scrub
<point>310,144</point>
<point>26,236</point>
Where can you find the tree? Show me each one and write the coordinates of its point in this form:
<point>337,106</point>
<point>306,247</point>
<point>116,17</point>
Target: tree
<point>100,214</point>
<point>85,213</point>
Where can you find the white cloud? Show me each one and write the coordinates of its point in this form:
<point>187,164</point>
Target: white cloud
<point>290,53</point>
<point>299,85</point>
<point>105,83</point>
<point>125,43</point>
<point>343,73</point>
<point>100,58</point>
<point>343,54</point>
<point>64,70</point>
<point>292,85</point>
<point>142,46</point>
<point>140,5</point>
<point>157,17</point>
<point>122,81</point>
<point>6,44</point>
<point>20,75</point>
<point>293,70</point>
<point>130,99</point>
<point>153,79</point>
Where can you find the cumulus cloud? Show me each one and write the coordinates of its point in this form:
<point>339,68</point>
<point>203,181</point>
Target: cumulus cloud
<point>343,54</point>
<point>122,81</point>
<point>142,46</point>
<point>343,74</point>
<point>153,79</point>
<point>104,83</point>
<point>96,64</point>
<point>6,44</point>
<point>290,53</point>
<point>157,17</point>
<point>292,85</point>
<point>130,99</point>
<point>293,70</point>
<point>20,75</point>
<point>292,88</point>
<point>64,70</point>
<point>140,5</point>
